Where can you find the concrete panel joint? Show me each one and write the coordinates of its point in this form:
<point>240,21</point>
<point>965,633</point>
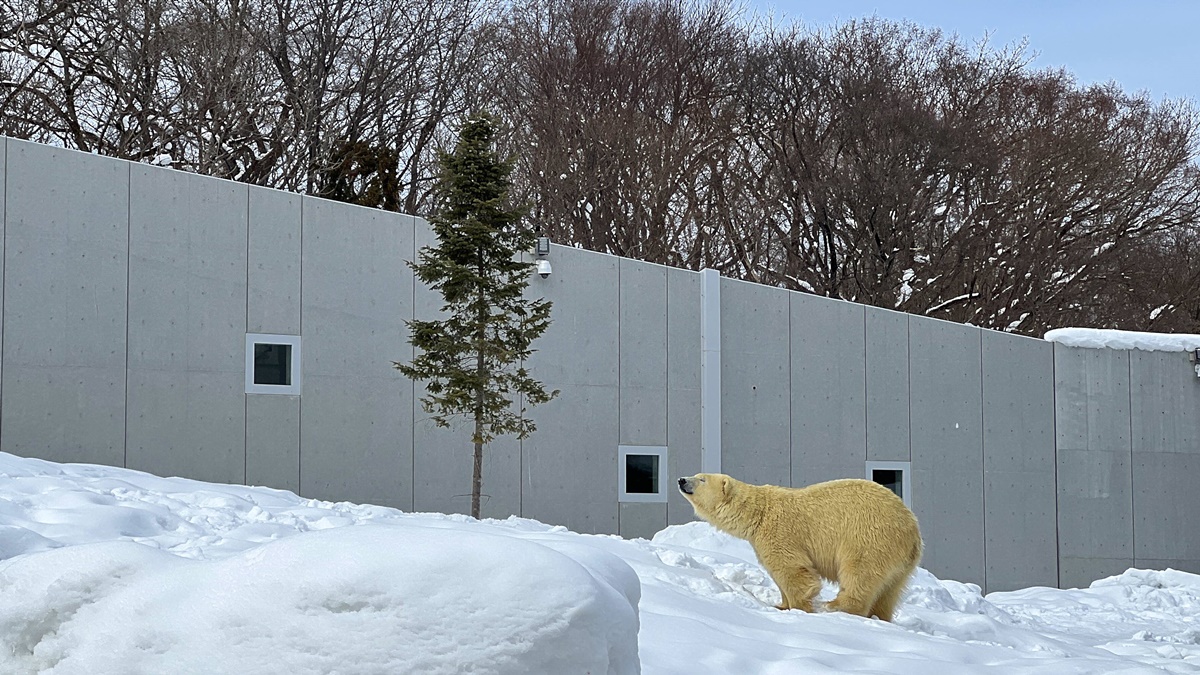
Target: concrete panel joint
<point>710,371</point>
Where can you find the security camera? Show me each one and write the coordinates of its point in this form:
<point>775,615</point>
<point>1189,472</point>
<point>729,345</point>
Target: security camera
<point>543,268</point>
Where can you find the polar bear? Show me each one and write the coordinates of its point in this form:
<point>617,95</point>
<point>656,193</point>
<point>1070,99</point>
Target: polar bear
<point>852,531</point>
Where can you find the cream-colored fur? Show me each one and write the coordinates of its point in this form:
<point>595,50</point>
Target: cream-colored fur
<point>855,532</point>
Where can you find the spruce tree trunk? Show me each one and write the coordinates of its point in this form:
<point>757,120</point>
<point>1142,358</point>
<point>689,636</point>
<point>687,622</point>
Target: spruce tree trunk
<point>477,473</point>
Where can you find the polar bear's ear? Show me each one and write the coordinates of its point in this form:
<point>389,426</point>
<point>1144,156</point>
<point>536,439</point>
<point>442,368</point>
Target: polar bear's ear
<point>725,486</point>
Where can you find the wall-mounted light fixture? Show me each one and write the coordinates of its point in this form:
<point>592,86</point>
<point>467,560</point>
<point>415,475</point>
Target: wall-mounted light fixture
<point>1194,357</point>
<point>542,249</point>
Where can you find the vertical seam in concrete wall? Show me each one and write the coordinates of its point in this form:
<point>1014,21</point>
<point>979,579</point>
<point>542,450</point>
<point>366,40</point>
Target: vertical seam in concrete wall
<point>790,395</point>
<point>245,396</point>
<point>620,389</point>
<point>983,456</point>
<point>1054,440</point>
<point>128,277</point>
<point>908,383</point>
<point>4,276</point>
<point>300,326</point>
<point>710,371</point>
<point>1132,486</point>
<point>866,398</point>
<point>412,385</point>
<point>667,389</point>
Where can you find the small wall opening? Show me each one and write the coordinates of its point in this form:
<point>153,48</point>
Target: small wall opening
<point>641,473</point>
<point>895,476</point>
<point>272,364</point>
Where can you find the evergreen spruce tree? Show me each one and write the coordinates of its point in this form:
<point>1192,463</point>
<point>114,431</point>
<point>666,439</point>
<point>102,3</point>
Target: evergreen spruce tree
<point>473,358</point>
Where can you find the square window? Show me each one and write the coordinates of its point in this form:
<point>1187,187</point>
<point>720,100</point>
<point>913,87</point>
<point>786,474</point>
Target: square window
<point>893,476</point>
<point>272,364</point>
<point>641,473</point>
<point>890,479</point>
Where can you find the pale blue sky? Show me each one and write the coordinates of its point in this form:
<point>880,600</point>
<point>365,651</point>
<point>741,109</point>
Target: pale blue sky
<point>1152,45</point>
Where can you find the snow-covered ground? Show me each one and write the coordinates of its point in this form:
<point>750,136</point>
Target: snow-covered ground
<point>106,570</point>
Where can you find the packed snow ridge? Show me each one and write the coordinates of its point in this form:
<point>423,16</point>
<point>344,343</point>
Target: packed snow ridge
<point>1095,338</point>
<point>110,571</point>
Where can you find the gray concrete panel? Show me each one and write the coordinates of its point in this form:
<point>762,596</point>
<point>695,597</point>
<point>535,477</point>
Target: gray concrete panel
<point>355,444</point>
<point>683,386</point>
<point>642,520</point>
<point>3,209</point>
<point>65,256</point>
<point>1020,493</point>
<point>570,464</point>
<point>580,346</point>
<point>187,275</point>
<point>190,424</point>
<point>356,434</point>
<point>1092,398</point>
<point>273,274</point>
<point>1165,402</point>
<point>1166,505</point>
<point>357,290</point>
<point>828,407</point>
<point>1095,490</point>
<point>65,414</point>
<point>755,382</point>
<point>945,375</point>
<point>273,441</point>
<point>1081,572</point>
<point>1095,504</point>
<point>643,353</point>
<point>887,385</point>
<point>187,325</point>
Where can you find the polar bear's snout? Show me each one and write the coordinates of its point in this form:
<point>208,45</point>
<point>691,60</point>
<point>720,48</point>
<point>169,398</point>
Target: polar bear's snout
<point>685,486</point>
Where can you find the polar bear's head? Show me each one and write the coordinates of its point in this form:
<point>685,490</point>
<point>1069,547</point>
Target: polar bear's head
<point>706,492</point>
<point>725,502</point>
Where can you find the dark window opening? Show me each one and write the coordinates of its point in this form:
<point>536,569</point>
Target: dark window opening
<point>892,479</point>
<point>641,474</point>
<point>273,364</point>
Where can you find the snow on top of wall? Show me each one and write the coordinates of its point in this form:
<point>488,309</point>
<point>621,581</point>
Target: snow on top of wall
<point>1095,338</point>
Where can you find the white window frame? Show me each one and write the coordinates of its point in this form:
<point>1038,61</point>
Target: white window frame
<point>293,341</point>
<point>659,497</point>
<point>905,469</point>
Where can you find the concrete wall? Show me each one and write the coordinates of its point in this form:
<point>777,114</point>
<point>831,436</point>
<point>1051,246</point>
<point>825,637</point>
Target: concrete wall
<point>1094,458</point>
<point>66,236</point>
<point>128,291</point>
<point>1165,444</point>
<point>1128,458</point>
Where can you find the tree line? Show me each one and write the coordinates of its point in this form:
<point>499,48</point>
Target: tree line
<point>875,161</point>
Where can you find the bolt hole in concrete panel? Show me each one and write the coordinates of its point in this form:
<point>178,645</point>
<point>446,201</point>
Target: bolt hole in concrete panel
<point>272,364</point>
<point>894,476</point>
<point>641,473</point>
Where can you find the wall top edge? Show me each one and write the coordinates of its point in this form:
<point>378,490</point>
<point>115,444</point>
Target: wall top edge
<point>407,218</point>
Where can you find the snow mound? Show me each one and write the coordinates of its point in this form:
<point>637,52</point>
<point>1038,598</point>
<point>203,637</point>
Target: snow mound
<point>700,536</point>
<point>395,598</point>
<point>1095,338</point>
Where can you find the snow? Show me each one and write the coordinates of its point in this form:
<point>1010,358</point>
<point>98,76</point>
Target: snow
<point>1095,338</point>
<point>106,570</point>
